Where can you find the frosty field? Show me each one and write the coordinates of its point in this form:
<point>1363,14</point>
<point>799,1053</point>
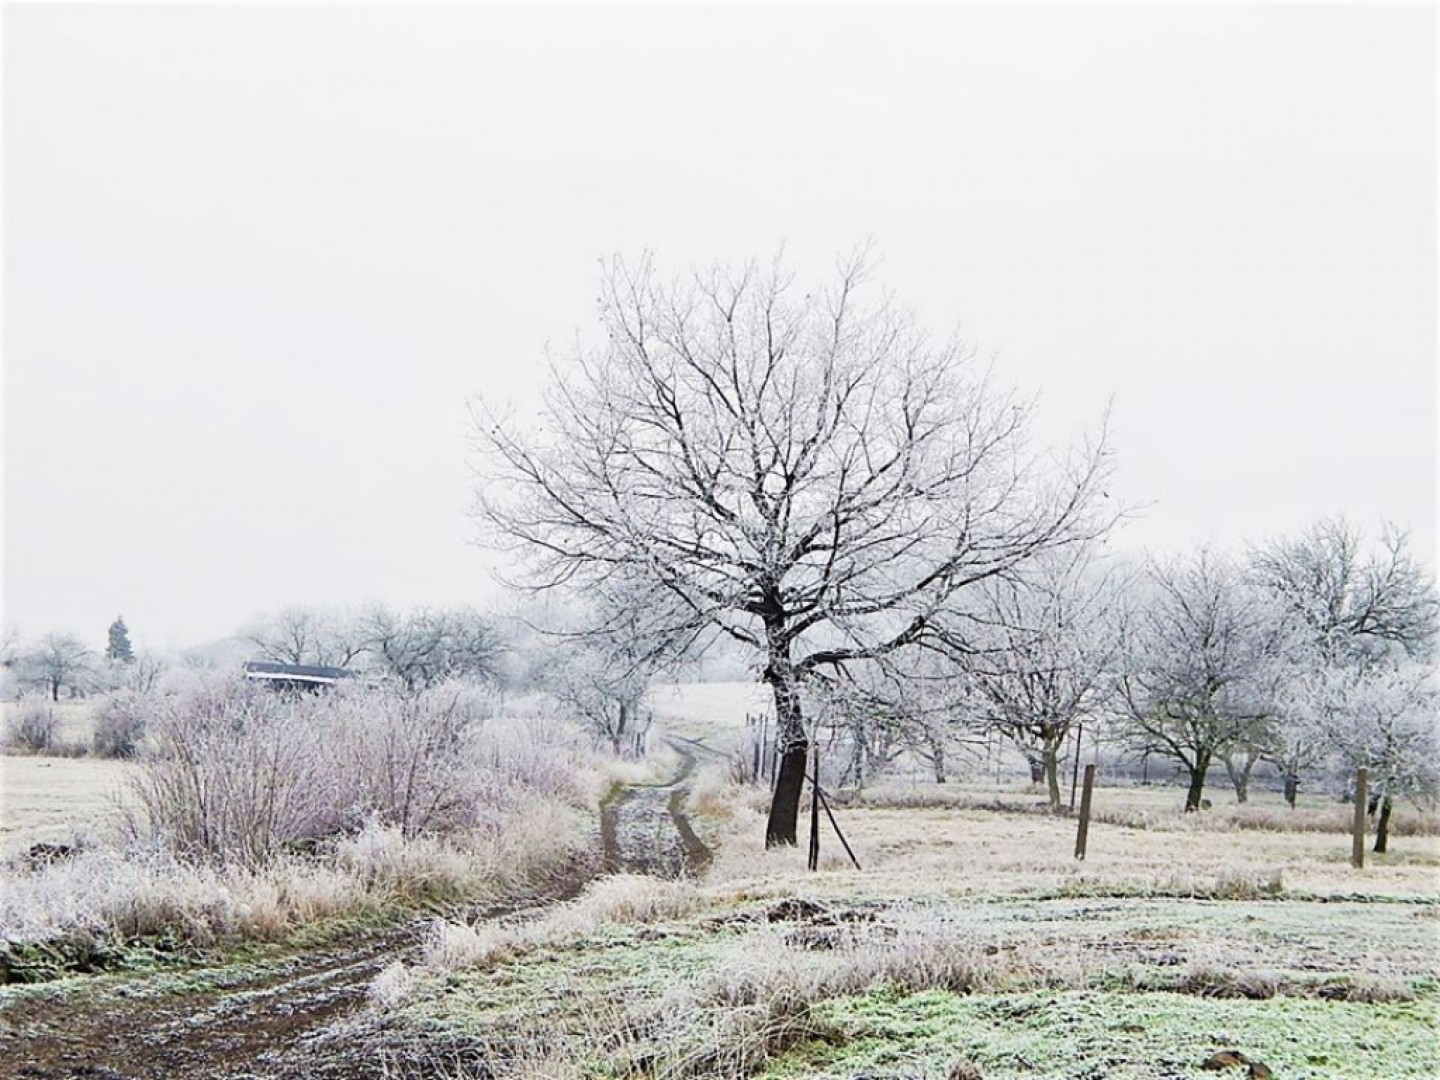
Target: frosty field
<point>971,944</point>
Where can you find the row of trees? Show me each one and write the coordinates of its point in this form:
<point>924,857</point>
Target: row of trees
<point>1310,653</point>
<point>808,476</point>
<point>417,649</point>
<point>414,649</point>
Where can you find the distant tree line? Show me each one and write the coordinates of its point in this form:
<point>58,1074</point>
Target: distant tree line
<point>415,649</point>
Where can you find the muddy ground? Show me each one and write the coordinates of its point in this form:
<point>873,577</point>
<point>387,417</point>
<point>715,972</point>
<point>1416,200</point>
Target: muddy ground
<point>303,1015</point>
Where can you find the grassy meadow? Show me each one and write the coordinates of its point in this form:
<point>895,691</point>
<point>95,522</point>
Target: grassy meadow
<point>971,945</point>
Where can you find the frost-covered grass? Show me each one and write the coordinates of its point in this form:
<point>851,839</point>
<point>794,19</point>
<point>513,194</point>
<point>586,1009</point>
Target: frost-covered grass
<point>972,945</point>
<point>51,800</point>
<point>739,982</point>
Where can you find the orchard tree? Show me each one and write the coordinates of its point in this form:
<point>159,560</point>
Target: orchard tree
<point>425,647</point>
<point>1385,719</point>
<point>1199,660</point>
<point>803,471</point>
<point>118,649</point>
<point>910,703</point>
<point>1040,660</point>
<point>1357,606</point>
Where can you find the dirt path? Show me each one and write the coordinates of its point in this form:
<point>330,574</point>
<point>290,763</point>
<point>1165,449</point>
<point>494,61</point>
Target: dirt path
<point>644,829</point>
<point>302,1015</point>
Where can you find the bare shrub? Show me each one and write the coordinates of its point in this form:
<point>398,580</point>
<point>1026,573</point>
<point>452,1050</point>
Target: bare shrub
<point>236,774</point>
<point>32,727</point>
<point>632,898</point>
<point>119,725</point>
<point>241,773</point>
<point>256,812</point>
<point>137,894</point>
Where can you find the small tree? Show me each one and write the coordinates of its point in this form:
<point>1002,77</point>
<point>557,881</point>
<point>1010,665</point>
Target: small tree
<point>118,649</point>
<point>424,648</point>
<point>1386,719</point>
<point>1198,663</point>
<point>803,472</point>
<point>60,662</point>
<point>298,635</point>
<point>1040,657</point>
<point>604,666</point>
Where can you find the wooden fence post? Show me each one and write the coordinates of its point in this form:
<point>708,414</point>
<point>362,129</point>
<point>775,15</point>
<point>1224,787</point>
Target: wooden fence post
<point>814,860</point>
<point>1357,844</point>
<point>1082,831</point>
<point>1075,772</point>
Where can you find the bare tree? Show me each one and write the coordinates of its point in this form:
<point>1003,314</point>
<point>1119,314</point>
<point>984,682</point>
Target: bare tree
<point>808,475</point>
<point>1357,606</point>
<point>1199,660</point>
<point>1040,658</point>
<point>425,647</point>
<point>12,656</point>
<point>606,661</point>
<point>1384,718</point>
<point>300,635</point>
<point>60,662</point>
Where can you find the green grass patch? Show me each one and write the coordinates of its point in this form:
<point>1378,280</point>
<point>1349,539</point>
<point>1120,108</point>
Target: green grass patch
<point>1092,1035</point>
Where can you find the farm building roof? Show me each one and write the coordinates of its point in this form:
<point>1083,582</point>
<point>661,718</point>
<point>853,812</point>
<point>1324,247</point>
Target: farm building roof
<point>269,670</point>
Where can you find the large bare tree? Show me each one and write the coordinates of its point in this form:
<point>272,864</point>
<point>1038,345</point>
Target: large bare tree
<point>425,647</point>
<point>299,635</point>
<point>804,471</point>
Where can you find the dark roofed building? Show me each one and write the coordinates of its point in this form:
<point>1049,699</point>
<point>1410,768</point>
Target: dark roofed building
<point>295,676</point>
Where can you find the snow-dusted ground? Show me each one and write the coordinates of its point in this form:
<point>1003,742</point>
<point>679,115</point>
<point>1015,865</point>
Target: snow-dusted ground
<point>713,712</point>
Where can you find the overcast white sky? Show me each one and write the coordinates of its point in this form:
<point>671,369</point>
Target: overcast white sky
<point>257,259</point>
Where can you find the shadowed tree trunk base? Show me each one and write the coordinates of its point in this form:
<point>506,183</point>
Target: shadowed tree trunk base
<point>1195,796</point>
<point>1382,827</point>
<point>780,829</point>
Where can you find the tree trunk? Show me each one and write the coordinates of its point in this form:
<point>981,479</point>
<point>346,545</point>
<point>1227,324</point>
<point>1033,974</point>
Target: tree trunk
<point>1292,788</point>
<point>792,747</point>
<point>937,757</point>
<point>55,690</point>
<point>1052,774</point>
<point>618,738</point>
<point>1037,766</point>
<point>1240,777</point>
<point>1196,793</point>
<point>1382,827</point>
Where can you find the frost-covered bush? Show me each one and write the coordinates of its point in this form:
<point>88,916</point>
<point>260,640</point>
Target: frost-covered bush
<point>239,772</point>
<point>119,725</point>
<point>32,727</point>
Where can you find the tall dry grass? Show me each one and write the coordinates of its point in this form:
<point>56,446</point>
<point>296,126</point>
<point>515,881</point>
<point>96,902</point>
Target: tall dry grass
<point>256,812</point>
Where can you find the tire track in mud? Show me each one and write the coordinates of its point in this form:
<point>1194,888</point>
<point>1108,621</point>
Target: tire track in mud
<point>644,828</point>
<point>303,1016</point>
